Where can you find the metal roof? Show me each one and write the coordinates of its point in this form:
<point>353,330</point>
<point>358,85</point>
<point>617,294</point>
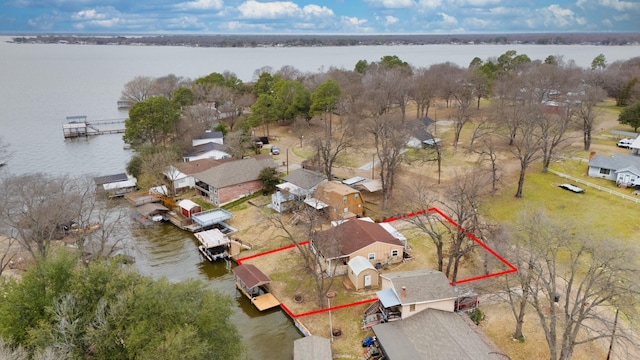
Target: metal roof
<point>359,264</point>
<point>388,298</point>
<point>211,217</point>
<point>250,275</point>
<point>212,238</point>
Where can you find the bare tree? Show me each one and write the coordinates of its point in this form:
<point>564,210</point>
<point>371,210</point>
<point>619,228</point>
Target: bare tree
<point>167,85</point>
<point>461,202</point>
<point>575,280</point>
<point>333,141</point>
<point>389,139</point>
<point>526,232</point>
<point>463,114</point>
<point>138,89</point>
<point>554,135</point>
<point>314,261</point>
<point>527,145</point>
<point>423,90</point>
<point>420,199</point>
<point>587,112</point>
<point>40,209</point>
<point>7,252</point>
<point>488,151</point>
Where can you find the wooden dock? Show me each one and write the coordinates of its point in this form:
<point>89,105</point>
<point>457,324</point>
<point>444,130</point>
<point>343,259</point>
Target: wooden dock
<point>78,126</point>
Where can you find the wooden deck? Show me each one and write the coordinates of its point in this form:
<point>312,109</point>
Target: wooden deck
<point>262,302</point>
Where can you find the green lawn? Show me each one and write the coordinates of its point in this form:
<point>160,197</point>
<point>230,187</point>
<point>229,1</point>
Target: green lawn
<point>603,214</point>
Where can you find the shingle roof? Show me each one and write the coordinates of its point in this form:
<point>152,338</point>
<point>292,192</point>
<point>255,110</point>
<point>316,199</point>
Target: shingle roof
<point>204,148</point>
<point>615,162</point>
<point>107,179</point>
<point>197,166</point>
<point>352,235</point>
<point>312,348</point>
<point>236,171</point>
<point>250,275</point>
<point>420,286</point>
<point>433,335</point>
<point>304,178</point>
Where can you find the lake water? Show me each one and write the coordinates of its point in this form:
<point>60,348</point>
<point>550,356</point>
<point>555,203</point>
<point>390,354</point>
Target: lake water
<point>40,85</point>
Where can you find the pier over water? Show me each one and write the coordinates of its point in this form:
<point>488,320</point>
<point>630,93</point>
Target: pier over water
<point>78,126</point>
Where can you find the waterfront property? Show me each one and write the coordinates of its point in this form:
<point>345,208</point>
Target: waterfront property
<point>254,284</point>
<point>357,237</point>
<point>115,185</point>
<point>233,180</point>
<point>214,245</point>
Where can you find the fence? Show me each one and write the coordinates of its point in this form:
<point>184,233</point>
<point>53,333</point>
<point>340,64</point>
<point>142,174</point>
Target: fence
<point>598,187</point>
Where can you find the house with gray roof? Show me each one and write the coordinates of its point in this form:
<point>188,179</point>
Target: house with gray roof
<point>209,150</point>
<point>296,186</point>
<point>407,293</point>
<point>421,135</point>
<point>209,136</point>
<point>312,348</point>
<point>434,334</point>
<point>622,168</point>
<point>233,179</point>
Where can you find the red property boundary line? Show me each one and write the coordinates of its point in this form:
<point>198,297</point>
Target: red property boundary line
<point>468,234</point>
<point>433,209</point>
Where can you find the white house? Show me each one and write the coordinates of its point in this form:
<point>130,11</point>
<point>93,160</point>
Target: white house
<point>624,169</point>
<point>208,150</point>
<point>297,186</point>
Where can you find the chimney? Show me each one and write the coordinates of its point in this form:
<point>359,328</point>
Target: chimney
<point>592,155</point>
<point>404,292</point>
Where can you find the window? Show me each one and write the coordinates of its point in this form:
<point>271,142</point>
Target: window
<point>372,256</point>
<point>605,171</point>
<point>344,199</point>
<point>412,307</point>
<point>394,252</point>
<point>356,196</point>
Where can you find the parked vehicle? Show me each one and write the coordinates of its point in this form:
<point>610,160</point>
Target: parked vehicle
<point>275,150</point>
<point>625,143</point>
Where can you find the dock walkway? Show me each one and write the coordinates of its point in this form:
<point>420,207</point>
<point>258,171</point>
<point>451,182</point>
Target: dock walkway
<point>78,126</point>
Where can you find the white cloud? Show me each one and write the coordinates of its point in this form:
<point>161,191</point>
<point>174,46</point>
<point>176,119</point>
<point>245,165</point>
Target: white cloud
<point>448,19</point>
<point>390,20</point>
<point>558,16</point>
<point>430,4</point>
<point>477,3</point>
<point>87,15</point>
<point>391,4</point>
<point>620,5</point>
<point>316,10</point>
<point>607,23</point>
<point>200,5</point>
<point>354,20</point>
<point>271,10</point>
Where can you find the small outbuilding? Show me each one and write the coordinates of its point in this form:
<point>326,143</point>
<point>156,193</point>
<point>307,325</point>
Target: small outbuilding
<point>362,273</point>
<point>188,208</point>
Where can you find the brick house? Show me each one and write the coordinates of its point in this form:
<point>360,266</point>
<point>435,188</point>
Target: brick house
<point>232,180</point>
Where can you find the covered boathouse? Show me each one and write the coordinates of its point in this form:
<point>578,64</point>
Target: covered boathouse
<point>253,283</point>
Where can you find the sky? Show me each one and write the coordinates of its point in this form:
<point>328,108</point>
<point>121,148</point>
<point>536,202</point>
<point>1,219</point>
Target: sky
<point>318,16</point>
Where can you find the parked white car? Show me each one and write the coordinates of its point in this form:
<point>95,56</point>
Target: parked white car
<point>625,143</point>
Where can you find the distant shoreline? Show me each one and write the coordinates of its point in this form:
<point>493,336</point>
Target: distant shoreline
<point>252,41</point>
